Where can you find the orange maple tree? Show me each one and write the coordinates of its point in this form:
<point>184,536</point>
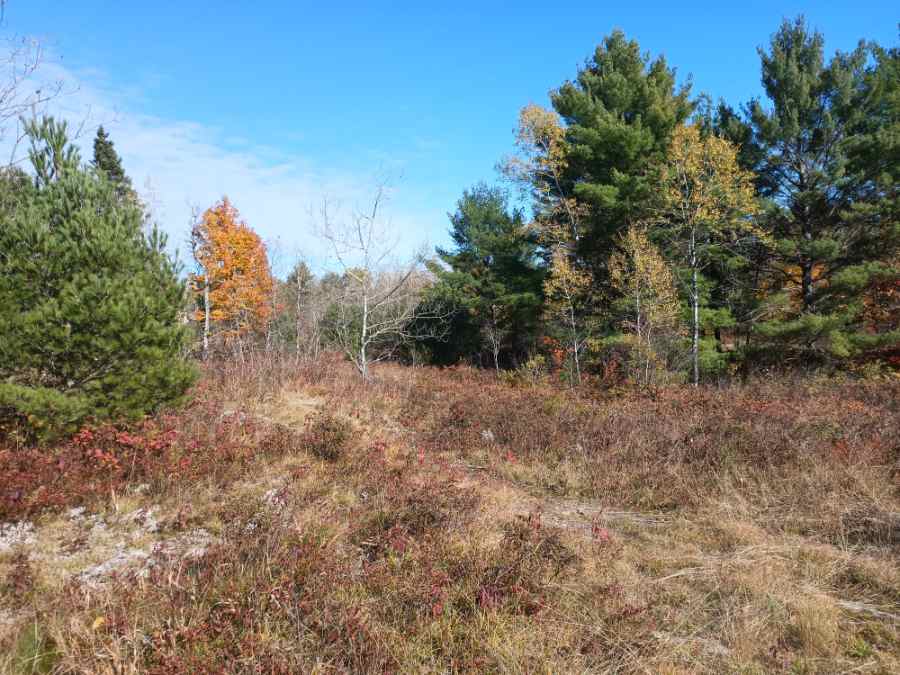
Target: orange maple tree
<point>233,272</point>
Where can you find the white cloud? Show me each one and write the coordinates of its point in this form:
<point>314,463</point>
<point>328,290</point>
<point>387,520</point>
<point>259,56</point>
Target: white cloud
<point>178,164</point>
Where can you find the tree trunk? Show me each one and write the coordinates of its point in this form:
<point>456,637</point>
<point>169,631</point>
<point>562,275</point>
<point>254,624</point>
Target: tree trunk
<point>297,322</point>
<point>695,306</point>
<point>239,342</point>
<point>205,319</point>
<point>807,268</point>
<point>575,343</point>
<point>363,364</point>
<point>695,342</point>
<point>806,265</point>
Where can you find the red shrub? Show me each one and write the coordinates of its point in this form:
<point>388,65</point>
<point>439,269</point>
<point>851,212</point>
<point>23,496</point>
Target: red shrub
<point>199,441</point>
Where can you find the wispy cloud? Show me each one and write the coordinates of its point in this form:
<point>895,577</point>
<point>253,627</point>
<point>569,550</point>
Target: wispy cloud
<point>181,164</point>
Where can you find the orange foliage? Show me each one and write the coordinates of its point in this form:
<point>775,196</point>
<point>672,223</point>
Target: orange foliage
<point>234,264</point>
<point>791,281</point>
<point>881,314</point>
<point>881,304</point>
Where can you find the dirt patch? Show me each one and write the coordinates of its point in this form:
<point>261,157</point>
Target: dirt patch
<point>583,515</point>
<point>291,408</point>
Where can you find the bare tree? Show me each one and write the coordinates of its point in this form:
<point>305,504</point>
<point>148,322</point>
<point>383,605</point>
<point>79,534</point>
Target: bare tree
<point>22,95</point>
<point>197,278</point>
<point>494,333</point>
<point>378,304</point>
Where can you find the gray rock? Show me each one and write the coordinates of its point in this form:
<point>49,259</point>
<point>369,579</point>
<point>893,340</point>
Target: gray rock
<point>76,513</point>
<point>13,535</point>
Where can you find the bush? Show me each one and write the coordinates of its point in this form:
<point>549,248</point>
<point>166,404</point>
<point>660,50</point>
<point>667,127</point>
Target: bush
<point>38,409</point>
<point>89,301</point>
<point>163,453</point>
<point>327,435</point>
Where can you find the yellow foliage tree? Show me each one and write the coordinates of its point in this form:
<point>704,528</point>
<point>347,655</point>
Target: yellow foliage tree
<point>539,164</point>
<point>707,200</point>
<point>234,276</point>
<point>640,273</point>
<point>565,291</point>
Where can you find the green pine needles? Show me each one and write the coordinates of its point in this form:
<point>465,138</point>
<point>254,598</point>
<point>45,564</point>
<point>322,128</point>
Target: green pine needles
<point>89,300</point>
<point>107,160</point>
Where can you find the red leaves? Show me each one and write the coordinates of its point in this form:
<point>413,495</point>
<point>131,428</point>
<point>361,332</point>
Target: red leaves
<point>161,451</point>
<point>489,597</point>
<point>440,581</point>
<point>600,533</point>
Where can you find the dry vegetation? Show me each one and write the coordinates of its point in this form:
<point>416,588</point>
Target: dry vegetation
<point>295,519</point>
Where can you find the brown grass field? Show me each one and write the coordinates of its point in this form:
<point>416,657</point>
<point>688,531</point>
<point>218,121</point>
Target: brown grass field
<point>292,518</point>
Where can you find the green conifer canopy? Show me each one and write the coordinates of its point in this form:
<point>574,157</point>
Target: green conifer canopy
<point>89,300</point>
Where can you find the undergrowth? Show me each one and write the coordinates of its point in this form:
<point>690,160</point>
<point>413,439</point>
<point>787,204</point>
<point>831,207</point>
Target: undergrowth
<point>444,520</point>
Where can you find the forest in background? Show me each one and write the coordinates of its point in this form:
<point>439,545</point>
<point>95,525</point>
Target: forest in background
<point>641,233</point>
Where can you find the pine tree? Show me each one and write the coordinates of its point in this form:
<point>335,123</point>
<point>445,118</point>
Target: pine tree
<point>619,115</point>
<point>15,188</point>
<point>828,152</point>
<point>107,160</point>
<point>89,303</point>
<point>490,278</point>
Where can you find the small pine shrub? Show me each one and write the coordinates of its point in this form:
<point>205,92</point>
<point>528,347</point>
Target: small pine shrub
<point>89,301</point>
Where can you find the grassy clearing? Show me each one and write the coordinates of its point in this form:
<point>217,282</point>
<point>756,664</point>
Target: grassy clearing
<point>445,521</point>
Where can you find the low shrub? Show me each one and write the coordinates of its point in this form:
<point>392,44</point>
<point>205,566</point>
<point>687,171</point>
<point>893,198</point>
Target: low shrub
<point>198,442</point>
<point>327,435</point>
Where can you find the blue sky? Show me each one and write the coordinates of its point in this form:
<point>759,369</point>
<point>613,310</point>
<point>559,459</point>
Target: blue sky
<point>281,103</point>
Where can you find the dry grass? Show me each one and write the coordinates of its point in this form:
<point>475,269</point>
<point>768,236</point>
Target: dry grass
<point>442,521</point>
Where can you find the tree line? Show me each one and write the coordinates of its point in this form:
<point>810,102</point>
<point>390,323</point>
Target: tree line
<point>651,235</point>
<point>639,233</point>
<point>676,238</point>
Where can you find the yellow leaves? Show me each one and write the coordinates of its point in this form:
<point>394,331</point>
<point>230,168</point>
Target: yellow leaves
<point>236,268</point>
<point>540,156</point>
<point>640,273</point>
<point>565,284</point>
<point>703,184</point>
<point>539,165</point>
<point>540,135</point>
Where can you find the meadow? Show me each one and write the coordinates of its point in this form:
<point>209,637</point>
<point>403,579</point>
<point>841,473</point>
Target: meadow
<point>293,517</point>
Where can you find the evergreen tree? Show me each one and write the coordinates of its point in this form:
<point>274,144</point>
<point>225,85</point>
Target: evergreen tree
<point>828,153</point>
<point>619,114</point>
<point>107,160</point>
<point>89,303</point>
<point>15,187</point>
<point>490,279</point>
